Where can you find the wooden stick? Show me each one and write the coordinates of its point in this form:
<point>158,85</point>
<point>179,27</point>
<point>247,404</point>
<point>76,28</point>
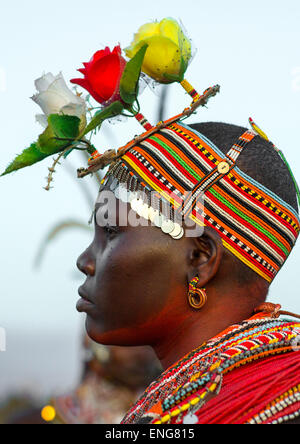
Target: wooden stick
<point>112,156</point>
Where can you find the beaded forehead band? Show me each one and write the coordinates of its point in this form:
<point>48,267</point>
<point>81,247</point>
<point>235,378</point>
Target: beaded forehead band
<point>254,224</point>
<point>170,163</point>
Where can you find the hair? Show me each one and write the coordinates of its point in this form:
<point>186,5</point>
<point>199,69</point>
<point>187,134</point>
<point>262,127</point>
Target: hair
<point>260,161</point>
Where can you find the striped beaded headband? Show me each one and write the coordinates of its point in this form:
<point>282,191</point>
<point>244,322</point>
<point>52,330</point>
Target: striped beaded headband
<point>181,165</point>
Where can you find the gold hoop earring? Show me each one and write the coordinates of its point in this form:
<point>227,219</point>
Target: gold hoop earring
<point>197,296</point>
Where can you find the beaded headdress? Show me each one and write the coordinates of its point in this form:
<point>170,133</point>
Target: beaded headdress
<point>169,163</point>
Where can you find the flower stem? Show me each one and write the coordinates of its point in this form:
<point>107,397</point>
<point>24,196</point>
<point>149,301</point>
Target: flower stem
<point>190,90</point>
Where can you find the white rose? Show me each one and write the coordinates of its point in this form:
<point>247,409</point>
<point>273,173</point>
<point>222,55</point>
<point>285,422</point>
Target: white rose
<point>54,97</point>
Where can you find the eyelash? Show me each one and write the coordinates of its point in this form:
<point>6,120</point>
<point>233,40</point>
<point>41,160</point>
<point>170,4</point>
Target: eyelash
<point>111,231</point>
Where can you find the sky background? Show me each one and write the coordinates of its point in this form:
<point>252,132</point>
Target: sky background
<point>250,48</point>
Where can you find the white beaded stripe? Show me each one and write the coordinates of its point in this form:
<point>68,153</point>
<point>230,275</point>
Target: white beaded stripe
<point>200,190</point>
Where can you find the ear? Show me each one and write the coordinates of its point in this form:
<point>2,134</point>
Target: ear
<point>205,256</point>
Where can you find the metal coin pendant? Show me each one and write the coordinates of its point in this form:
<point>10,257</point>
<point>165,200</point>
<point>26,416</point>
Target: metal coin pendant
<point>134,204</point>
<point>152,214</point>
<point>132,196</point>
<point>123,195</point>
<point>190,419</point>
<point>158,220</point>
<point>180,236</point>
<point>114,184</point>
<point>145,211</point>
<point>167,226</point>
<point>140,207</point>
<point>176,231</point>
<point>117,193</point>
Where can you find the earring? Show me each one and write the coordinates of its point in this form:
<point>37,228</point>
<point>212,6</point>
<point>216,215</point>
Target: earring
<point>197,296</point>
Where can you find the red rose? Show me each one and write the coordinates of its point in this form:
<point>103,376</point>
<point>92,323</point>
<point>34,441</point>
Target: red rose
<point>102,75</point>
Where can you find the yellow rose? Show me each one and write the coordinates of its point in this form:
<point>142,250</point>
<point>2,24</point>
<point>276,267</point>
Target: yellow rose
<point>169,50</point>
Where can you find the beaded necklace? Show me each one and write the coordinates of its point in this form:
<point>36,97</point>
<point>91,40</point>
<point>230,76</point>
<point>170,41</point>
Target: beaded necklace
<point>187,386</point>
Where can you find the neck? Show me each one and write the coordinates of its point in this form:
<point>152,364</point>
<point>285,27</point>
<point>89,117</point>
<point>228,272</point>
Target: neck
<point>197,329</point>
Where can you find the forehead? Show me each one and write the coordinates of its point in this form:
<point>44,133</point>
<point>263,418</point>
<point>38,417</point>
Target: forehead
<point>114,212</point>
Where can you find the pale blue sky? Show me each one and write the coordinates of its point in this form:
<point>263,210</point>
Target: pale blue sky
<point>250,48</point>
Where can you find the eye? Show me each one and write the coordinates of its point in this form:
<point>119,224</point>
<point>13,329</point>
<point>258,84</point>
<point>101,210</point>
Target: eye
<point>111,231</point>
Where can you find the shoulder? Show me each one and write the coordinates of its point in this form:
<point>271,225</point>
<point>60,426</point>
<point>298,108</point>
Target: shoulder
<point>262,390</point>
<point>250,374</point>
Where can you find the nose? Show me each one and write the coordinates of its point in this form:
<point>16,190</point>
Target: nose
<point>86,263</point>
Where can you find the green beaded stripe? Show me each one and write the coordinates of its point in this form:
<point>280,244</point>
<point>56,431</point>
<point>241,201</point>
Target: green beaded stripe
<point>177,157</point>
<point>248,219</point>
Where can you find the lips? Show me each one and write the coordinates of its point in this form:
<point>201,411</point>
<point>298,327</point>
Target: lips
<point>83,295</point>
<point>84,304</point>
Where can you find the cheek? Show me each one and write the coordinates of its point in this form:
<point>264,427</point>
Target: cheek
<point>134,280</point>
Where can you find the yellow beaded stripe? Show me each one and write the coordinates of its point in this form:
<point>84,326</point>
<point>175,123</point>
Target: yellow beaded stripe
<point>176,412</point>
<point>178,409</point>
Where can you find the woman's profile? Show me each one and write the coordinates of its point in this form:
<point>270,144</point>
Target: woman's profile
<point>192,225</point>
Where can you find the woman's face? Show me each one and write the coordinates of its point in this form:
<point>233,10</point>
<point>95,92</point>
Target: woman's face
<point>133,275</point>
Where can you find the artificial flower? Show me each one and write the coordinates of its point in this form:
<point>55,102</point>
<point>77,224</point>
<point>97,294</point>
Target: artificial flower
<point>102,75</point>
<point>169,50</point>
<point>54,97</point>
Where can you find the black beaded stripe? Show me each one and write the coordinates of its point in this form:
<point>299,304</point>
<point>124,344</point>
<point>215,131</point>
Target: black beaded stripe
<point>239,233</point>
<point>204,151</point>
<point>241,244</point>
<point>268,204</point>
<point>189,153</point>
<point>258,213</point>
<point>161,162</point>
<point>157,174</point>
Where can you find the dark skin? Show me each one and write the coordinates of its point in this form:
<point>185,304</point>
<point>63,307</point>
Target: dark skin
<point>137,285</point>
<point>136,289</point>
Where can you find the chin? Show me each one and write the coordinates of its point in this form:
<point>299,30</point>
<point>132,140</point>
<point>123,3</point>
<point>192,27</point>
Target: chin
<point>116,337</point>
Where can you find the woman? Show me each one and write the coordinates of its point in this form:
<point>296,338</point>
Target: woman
<point>145,287</point>
<point>192,225</point>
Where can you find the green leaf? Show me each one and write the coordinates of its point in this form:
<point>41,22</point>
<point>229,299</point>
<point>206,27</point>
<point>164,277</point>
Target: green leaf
<point>48,144</point>
<point>64,126</point>
<point>131,75</point>
<point>28,157</point>
<point>112,110</point>
<point>183,67</point>
<point>178,77</point>
<point>172,78</point>
<point>59,126</point>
